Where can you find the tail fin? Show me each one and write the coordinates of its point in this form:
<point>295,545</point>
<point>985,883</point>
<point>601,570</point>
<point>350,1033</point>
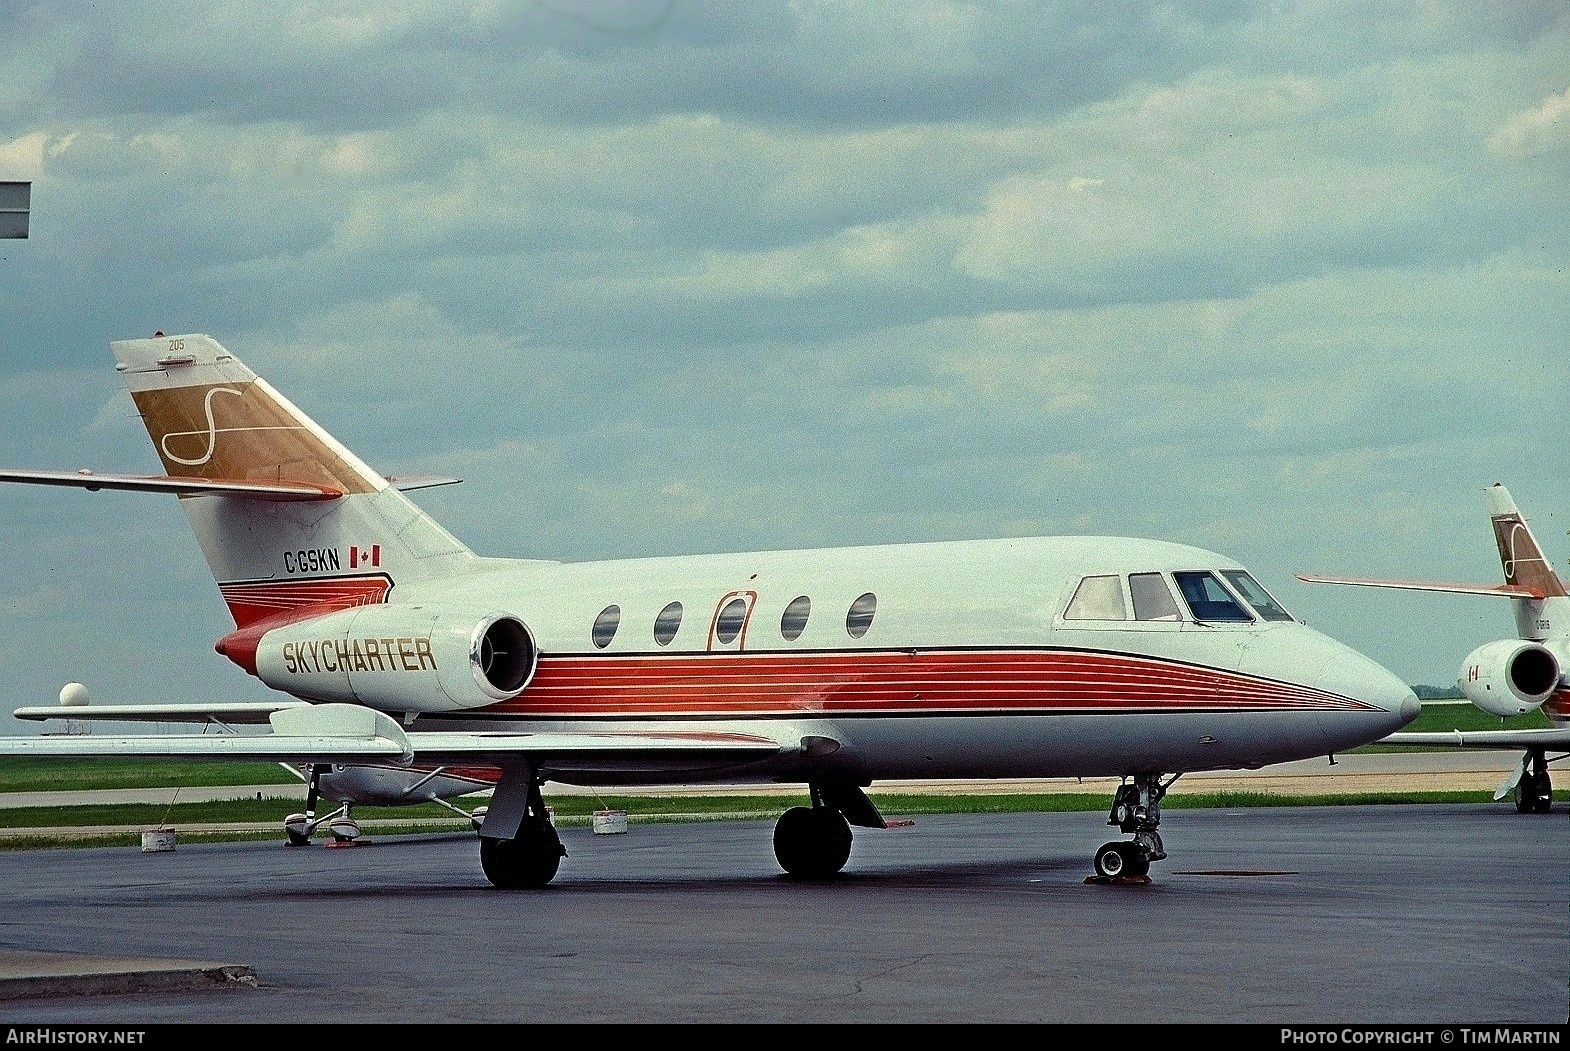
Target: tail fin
<point>1519,554</point>
<point>211,417</point>
<point>1523,563</point>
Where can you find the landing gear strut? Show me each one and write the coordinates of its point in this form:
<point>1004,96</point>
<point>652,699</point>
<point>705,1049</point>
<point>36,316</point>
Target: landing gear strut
<point>529,859</point>
<point>1136,808</point>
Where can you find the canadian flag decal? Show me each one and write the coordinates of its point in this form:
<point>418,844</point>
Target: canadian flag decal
<point>371,556</point>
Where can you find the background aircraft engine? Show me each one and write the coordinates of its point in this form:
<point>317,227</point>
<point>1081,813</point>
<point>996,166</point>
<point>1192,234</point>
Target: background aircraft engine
<point>1510,677</point>
<point>401,658</point>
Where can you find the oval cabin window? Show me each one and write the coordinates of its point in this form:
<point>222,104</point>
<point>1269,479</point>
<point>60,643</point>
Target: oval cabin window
<point>794,620</point>
<point>605,626</point>
<point>859,619</point>
<point>666,623</point>
<point>728,625</point>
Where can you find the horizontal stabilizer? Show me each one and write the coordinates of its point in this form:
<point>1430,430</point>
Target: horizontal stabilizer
<point>406,482</point>
<point>1452,587</point>
<point>184,486</point>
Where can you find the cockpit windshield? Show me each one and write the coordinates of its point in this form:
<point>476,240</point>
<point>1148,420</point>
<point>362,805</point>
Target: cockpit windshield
<point>1256,596</point>
<point>1208,599</point>
<point>1102,597</point>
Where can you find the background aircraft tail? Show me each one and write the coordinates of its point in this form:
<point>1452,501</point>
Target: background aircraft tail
<point>1523,563</point>
<point>212,418</point>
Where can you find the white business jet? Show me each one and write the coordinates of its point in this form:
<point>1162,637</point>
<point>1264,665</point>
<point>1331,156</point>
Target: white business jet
<point>836,668</point>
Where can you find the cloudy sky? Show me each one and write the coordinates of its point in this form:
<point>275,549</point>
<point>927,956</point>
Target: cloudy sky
<point>1286,281</point>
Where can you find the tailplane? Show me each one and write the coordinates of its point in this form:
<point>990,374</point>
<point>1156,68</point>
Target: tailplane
<point>214,422</point>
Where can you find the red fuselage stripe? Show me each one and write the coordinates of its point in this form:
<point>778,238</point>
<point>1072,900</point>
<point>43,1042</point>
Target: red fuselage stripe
<point>745,684</point>
<point>250,602</point>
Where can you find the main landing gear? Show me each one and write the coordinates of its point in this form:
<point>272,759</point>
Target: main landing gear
<point>1534,790</point>
<point>529,859</point>
<point>1136,808</point>
<point>812,842</point>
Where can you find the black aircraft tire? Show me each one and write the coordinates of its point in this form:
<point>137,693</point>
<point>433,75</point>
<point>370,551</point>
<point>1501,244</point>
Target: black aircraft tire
<point>812,842</point>
<point>1542,794</point>
<point>526,863</point>
<point>1111,862</point>
<point>1134,861</point>
<point>1523,795</point>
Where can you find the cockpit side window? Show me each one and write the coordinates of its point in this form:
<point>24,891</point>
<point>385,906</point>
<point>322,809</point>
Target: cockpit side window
<point>1255,595</point>
<point>1207,599</point>
<point>1152,597</point>
<point>1097,598</point>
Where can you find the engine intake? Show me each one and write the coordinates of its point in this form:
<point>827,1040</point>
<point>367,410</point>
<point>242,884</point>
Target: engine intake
<point>1510,677</point>
<point>401,658</point>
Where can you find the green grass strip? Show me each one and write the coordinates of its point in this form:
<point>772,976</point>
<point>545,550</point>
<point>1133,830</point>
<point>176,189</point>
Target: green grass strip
<point>28,774</point>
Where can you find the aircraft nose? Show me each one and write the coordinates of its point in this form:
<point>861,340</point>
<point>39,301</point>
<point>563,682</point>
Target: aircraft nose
<point>1348,673</point>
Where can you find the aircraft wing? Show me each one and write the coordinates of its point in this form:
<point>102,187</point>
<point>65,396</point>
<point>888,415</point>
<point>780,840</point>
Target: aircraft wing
<point>1548,738</point>
<point>225,713</point>
<point>1555,738</point>
<point>1450,586</point>
<point>349,733</point>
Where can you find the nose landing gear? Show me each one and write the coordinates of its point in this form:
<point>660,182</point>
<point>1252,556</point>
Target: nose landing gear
<point>1136,808</point>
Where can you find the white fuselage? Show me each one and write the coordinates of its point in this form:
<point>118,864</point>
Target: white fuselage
<point>967,668</point>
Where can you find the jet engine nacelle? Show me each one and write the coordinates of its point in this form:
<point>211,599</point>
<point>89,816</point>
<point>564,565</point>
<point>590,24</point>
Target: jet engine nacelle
<point>401,658</point>
<point>1510,677</point>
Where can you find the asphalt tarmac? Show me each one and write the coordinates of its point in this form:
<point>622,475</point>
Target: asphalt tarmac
<point>1424,914</point>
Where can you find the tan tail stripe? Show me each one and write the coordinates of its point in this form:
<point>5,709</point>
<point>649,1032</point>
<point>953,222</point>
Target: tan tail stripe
<point>238,431</point>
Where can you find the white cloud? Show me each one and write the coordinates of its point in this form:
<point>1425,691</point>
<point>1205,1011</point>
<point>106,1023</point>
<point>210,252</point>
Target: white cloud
<point>1532,132</point>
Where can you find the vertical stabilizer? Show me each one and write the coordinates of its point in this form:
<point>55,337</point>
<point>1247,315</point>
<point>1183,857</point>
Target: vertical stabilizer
<point>1523,563</point>
<point>209,416</point>
<point>1519,554</point>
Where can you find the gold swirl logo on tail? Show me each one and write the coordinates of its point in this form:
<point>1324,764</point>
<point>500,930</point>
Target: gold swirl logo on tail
<point>212,431</point>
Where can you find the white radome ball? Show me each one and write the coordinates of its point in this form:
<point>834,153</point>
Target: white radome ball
<point>73,695</point>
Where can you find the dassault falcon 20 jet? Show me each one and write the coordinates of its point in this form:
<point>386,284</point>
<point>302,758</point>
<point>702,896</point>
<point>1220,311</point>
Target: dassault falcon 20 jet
<point>391,641</point>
